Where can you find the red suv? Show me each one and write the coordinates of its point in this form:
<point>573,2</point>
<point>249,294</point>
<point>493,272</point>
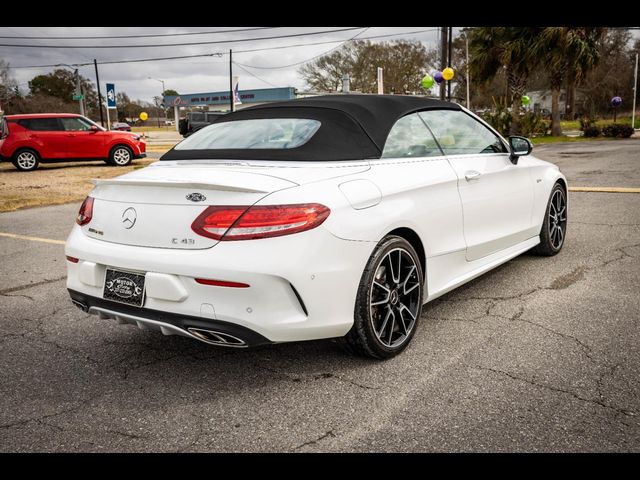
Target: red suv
<point>27,140</point>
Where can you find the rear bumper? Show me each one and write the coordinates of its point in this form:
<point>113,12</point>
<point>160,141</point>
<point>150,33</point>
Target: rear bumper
<point>146,318</point>
<point>302,286</point>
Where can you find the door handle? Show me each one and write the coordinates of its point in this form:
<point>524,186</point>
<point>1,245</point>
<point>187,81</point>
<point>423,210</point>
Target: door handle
<point>471,175</point>
<point>71,134</point>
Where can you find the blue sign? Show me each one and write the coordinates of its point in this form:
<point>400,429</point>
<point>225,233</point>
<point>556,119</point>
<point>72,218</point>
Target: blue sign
<point>111,95</point>
<point>259,95</point>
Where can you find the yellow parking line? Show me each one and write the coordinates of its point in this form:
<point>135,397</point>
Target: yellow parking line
<point>33,239</point>
<point>605,189</point>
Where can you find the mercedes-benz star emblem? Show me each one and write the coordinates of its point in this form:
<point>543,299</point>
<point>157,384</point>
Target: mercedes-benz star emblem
<point>129,217</point>
<point>196,197</point>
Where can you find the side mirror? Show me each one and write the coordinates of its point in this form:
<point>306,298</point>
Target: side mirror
<point>520,146</point>
<point>93,128</point>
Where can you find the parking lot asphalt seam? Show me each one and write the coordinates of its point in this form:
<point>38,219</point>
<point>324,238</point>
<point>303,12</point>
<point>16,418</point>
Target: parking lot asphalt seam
<point>32,239</point>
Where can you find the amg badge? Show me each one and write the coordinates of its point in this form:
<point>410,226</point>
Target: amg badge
<point>196,197</point>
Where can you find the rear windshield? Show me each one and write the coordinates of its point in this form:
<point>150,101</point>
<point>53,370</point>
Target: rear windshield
<point>263,133</point>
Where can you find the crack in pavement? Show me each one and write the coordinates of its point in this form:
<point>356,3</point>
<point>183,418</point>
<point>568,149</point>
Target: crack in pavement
<point>317,376</point>
<point>629,413</point>
<point>29,285</point>
<point>17,295</point>
<point>317,440</point>
<point>43,417</point>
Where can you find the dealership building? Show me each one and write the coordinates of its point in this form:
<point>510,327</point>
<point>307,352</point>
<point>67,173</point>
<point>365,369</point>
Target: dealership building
<point>220,101</point>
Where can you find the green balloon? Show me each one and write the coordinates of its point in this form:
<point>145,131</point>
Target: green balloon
<point>525,100</point>
<point>427,82</point>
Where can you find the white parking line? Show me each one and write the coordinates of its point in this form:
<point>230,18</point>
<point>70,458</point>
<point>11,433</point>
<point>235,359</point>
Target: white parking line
<point>33,239</point>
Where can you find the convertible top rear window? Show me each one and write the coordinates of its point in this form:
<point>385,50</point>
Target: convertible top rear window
<point>264,133</point>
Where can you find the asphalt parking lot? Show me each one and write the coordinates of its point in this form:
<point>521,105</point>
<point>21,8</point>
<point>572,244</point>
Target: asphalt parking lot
<point>540,354</point>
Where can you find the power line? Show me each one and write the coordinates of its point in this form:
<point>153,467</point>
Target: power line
<point>181,44</point>
<point>254,75</point>
<point>219,54</point>
<point>338,46</point>
<point>139,36</point>
<point>309,59</point>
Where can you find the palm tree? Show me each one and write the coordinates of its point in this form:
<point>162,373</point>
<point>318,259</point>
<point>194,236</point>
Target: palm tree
<point>567,52</point>
<point>511,48</point>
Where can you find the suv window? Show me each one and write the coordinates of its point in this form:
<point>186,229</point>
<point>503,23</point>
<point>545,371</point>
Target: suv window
<point>75,124</point>
<point>460,134</point>
<point>4,129</point>
<point>409,137</point>
<point>197,117</point>
<point>40,124</point>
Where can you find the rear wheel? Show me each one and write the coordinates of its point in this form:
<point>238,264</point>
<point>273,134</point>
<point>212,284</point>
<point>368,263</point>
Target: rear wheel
<point>389,301</point>
<point>554,227</point>
<point>120,156</point>
<point>26,160</point>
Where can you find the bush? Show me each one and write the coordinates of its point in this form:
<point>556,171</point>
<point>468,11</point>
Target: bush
<point>586,122</point>
<point>532,125</point>
<point>617,130</point>
<point>592,131</point>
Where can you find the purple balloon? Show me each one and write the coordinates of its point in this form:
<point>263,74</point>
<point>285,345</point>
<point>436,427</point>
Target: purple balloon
<point>438,77</point>
<point>616,101</point>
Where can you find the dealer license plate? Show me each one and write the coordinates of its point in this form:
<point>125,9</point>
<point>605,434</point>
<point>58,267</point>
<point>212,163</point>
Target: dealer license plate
<point>124,287</point>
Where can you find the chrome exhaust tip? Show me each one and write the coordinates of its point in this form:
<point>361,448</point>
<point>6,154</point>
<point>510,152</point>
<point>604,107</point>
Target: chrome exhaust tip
<point>80,305</point>
<point>216,338</point>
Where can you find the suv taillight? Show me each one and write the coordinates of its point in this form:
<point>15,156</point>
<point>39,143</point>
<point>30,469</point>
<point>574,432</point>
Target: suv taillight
<point>86,212</point>
<point>245,223</point>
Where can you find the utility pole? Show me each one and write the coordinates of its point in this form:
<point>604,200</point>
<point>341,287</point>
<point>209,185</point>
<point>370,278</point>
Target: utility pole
<point>466,40</point>
<point>443,58</point>
<point>95,64</point>
<point>449,62</point>
<point>79,91</point>
<point>635,94</point>
<point>231,99</point>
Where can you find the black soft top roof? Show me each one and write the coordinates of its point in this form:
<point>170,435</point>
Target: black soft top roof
<point>352,126</point>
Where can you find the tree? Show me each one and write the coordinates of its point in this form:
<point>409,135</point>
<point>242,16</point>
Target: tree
<point>169,92</point>
<point>8,85</point>
<point>567,52</point>
<point>404,63</point>
<point>61,83</point>
<point>492,49</point>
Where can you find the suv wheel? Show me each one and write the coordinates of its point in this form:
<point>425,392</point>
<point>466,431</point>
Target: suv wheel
<point>120,156</point>
<point>26,160</point>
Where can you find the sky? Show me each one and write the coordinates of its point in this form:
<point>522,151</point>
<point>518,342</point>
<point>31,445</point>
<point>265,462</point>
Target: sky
<point>193,75</point>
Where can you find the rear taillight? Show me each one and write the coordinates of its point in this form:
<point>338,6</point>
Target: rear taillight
<point>72,259</point>
<point>86,212</point>
<point>245,223</point>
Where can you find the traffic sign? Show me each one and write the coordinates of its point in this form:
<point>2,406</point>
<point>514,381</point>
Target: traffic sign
<point>111,95</point>
<point>78,97</point>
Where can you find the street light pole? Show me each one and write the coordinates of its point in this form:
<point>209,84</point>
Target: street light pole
<point>76,75</point>
<point>635,94</point>
<point>163,90</point>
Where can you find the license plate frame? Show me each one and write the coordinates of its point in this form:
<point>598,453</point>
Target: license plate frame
<point>125,287</point>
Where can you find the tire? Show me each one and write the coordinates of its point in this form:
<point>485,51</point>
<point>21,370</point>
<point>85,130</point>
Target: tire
<point>120,156</point>
<point>26,160</point>
<point>387,306</point>
<point>554,226</point>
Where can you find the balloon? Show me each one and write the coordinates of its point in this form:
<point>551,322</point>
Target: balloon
<point>525,100</point>
<point>427,82</point>
<point>143,116</point>
<point>438,77</point>
<point>448,73</point>
<point>616,101</point>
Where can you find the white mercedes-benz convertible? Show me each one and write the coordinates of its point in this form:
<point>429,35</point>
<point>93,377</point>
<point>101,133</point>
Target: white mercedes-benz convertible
<point>331,216</point>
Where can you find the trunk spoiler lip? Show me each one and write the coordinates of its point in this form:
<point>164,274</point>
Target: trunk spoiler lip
<point>174,184</point>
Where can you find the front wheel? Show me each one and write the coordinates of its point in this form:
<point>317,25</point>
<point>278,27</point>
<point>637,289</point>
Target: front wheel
<point>389,301</point>
<point>120,156</point>
<point>554,226</point>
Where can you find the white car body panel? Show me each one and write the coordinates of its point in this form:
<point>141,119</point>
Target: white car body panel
<point>466,228</point>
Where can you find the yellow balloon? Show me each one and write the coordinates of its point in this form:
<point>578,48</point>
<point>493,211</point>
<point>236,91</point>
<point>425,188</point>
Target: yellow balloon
<point>448,73</point>
<point>143,116</point>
